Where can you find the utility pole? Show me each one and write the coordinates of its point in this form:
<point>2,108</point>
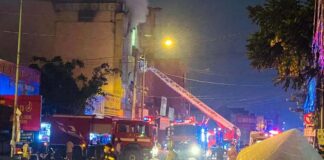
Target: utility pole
<point>15,123</point>
<point>135,86</point>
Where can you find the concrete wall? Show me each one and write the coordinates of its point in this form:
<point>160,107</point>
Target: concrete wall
<point>38,29</point>
<point>55,30</point>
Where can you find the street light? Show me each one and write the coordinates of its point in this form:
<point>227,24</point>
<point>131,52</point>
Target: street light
<point>168,42</point>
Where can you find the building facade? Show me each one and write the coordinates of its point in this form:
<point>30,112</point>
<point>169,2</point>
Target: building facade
<point>95,32</point>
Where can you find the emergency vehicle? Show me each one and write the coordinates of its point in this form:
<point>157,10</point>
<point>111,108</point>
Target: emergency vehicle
<point>131,139</point>
<point>189,139</point>
<point>258,136</point>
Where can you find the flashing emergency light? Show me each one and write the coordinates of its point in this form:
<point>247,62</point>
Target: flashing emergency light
<point>45,132</point>
<point>203,135</point>
<point>274,132</point>
<point>92,136</point>
<point>208,134</point>
<point>149,119</point>
<point>179,121</point>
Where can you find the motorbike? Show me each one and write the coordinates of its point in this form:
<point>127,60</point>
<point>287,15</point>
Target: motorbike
<point>50,155</point>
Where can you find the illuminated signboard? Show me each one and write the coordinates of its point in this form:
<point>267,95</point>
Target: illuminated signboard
<point>309,105</point>
<point>30,106</point>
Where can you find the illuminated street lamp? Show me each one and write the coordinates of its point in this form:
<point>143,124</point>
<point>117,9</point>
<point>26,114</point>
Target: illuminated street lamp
<point>168,42</point>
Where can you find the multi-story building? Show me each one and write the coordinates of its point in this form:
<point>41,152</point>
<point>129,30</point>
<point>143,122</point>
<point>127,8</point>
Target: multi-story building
<point>93,31</point>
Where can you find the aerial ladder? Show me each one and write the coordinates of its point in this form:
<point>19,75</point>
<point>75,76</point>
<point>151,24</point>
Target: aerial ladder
<point>210,113</point>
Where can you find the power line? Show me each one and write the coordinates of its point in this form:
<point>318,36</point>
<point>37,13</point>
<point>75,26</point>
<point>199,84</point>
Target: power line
<point>217,83</point>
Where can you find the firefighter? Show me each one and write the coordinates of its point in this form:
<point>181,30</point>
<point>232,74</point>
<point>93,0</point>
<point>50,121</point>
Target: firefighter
<point>232,153</point>
<point>108,152</point>
<point>26,151</point>
<point>171,154</point>
<point>69,150</point>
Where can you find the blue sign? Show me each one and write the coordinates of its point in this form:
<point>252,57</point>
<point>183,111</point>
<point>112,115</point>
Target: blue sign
<point>309,105</point>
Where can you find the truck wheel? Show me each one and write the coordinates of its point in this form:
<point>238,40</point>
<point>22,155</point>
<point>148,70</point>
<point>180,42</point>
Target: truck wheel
<point>133,155</point>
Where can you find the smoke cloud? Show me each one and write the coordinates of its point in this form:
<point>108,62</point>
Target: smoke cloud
<point>138,10</point>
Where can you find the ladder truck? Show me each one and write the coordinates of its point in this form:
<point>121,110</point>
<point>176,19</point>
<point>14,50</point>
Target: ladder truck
<point>231,130</point>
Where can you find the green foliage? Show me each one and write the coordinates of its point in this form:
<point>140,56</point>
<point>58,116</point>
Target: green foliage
<point>66,93</point>
<point>283,41</point>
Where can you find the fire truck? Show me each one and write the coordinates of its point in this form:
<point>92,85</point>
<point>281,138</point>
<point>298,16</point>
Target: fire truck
<point>131,139</point>
<point>189,139</point>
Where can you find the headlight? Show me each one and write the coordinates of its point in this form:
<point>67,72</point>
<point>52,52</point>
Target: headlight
<point>155,151</point>
<point>195,150</point>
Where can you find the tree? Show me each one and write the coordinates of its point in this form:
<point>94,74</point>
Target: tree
<point>284,40</point>
<point>65,93</point>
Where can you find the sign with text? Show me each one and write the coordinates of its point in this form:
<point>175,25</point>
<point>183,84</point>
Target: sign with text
<point>171,114</point>
<point>163,106</point>
<point>25,73</point>
<point>30,106</point>
<point>164,123</point>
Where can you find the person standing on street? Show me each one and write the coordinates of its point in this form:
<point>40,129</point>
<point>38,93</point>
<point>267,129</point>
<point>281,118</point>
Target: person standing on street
<point>232,153</point>
<point>69,150</point>
<point>171,154</point>
<point>26,151</point>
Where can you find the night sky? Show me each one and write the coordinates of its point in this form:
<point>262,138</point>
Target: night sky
<point>210,38</point>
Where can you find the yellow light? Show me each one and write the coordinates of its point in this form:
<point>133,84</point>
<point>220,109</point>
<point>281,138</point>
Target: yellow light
<point>168,42</point>
<point>83,145</point>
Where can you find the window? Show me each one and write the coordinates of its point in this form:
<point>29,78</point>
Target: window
<point>86,15</point>
<point>142,130</point>
<point>124,128</point>
<point>185,130</point>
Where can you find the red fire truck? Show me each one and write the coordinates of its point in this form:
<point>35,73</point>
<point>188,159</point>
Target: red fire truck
<point>132,139</point>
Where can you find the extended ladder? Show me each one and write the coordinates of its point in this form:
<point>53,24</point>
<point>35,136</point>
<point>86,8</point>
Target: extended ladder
<point>195,101</point>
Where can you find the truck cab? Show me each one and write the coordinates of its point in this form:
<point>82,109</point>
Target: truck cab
<point>189,140</point>
<point>133,139</point>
